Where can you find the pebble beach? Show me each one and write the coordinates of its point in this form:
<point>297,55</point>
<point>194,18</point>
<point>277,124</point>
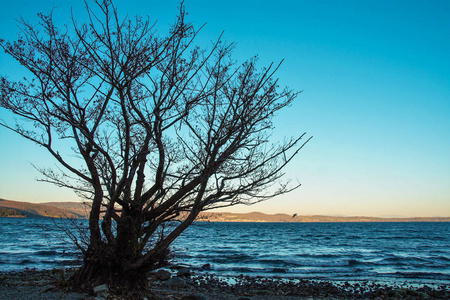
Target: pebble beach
<point>52,284</point>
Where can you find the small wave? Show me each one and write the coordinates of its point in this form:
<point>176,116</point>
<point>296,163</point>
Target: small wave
<point>233,258</point>
<point>437,238</point>
<point>247,236</point>
<point>394,260</point>
<point>27,262</point>
<point>46,253</point>
<point>354,263</point>
<point>354,237</point>
<point>422,275</point>
<point>273,262</point>
<point>220,251</point>
<point>444,258</point>
<point>238,270</point>
<point>309,255</point>
<point>278,270</point>
<point>247,270</point>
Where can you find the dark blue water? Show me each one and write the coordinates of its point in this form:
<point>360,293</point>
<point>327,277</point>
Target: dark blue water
<point>406,252</point>
<point>36,243</point>
<point>414,252</point>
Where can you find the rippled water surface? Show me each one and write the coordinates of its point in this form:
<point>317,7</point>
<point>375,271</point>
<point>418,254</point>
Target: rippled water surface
<point>412,252</point>
<point>417,252</point>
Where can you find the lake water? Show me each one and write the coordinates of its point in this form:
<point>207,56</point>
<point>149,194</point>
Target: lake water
<point>385,252</point>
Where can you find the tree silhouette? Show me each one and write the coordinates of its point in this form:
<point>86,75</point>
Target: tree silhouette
<point>161,129</point>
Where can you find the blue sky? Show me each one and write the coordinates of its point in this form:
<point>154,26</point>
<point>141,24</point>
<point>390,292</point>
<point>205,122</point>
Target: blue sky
<point>375,77</point>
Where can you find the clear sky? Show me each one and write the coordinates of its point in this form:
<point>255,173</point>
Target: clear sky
<point>375,77</point>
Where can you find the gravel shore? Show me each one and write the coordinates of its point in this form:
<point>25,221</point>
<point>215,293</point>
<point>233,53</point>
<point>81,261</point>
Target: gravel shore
<point>51,284</point>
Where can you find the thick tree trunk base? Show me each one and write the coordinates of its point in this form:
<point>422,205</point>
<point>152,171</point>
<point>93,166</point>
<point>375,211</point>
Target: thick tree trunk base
<point>99,269</point>
<point>120,266</point>
<point>120,283</point>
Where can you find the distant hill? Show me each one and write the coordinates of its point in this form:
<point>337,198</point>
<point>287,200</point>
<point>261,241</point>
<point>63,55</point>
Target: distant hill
<point>76,208</point>
<point>81,211</point>
<point>34,210</point>
<point>260,217</point>
<point>7,212</point>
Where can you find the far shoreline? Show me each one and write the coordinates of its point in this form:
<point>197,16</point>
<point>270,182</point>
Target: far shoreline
<point>325,219</point>
<point>78,210</point>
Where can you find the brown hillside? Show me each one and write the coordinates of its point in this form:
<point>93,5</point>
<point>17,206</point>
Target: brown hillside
<point>33,210</point>
<point>260,217</point>
<point>77,208</point>
<point>80,210</point>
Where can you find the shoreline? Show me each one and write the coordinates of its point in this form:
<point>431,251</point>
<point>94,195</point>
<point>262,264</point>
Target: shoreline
<point>52,284</point>
<point>78,210</point>
<point>304,220</point>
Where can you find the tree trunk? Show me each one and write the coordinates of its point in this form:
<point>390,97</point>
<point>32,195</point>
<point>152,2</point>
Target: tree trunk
<point>116,264</point>
<point>102,266</point>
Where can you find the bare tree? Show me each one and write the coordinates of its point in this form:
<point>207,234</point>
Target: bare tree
<point>161,128</point>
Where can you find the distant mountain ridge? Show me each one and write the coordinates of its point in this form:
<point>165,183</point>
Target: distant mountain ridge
<point>79,210</point>
<point>42,210</point>
<point>261,217</point>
